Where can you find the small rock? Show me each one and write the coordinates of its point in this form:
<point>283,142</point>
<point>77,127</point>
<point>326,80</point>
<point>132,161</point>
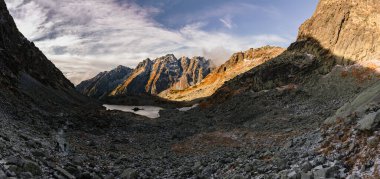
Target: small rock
<point>13,168</point>
<point>10,173</point>
<point>294,175</point>
<point>306,167</point>
<point>369,121</point>
<point>121,159</point>
<point>373,141</point>
<point>369,164</point>
<point>352,147</point>
<point>289,144</point>
<point>289,130</point>
<point>320,173</point>
<point>248,167</point>
<point>129,174</point>
<point>238,177</point>
<point>329,172</point>
<point>78,160</point>
<point>33,144</point>
<point>4,137</point>
<point>353,176</point>
<point>2,174</point>
<point>32,167</point>
<point>197,165</point>
<point>24,136</point>
<point>85,175</point>
<point>64,173</point>
<point>26,175</point>
<point>283,174</point>
<point>38,153</point>
<point>320,160</point>
<point>308,175</point>
<point>73,170</point>
<point>15,160</point>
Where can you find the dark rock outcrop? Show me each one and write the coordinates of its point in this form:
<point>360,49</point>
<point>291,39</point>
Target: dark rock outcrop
<point>18,56</point>
<point>27,77</point>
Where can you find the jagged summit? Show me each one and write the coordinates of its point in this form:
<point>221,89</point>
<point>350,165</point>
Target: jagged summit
<point>149,77</point>
<point>153,77</point>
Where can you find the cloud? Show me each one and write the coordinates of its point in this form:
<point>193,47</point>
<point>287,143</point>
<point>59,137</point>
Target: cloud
<point>89,36</point>
<point>227,21</point>
<point>218,55</point>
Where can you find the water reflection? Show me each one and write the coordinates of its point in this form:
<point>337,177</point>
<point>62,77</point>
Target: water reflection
<point>148,111</point>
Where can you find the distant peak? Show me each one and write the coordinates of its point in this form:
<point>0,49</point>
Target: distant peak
<point>170,55</point>
<point>121,67</point>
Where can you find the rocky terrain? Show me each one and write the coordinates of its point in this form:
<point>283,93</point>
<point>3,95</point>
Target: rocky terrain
<point>310,112</point>
<point>238,63</point>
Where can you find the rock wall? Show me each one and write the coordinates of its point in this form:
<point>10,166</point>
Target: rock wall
<point>349,28</point>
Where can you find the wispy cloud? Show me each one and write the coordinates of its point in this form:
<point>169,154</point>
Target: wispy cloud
<point>85,37</point>
<point>227,21</point>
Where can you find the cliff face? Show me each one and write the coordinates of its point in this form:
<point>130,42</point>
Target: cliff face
<point>135,83</point>
<point>349,28</point>
<point>18,55</point>
<point>103,83</point>
<point>194,71</point>
<point>27,77</point>
<point>237,64</point>
<point>165,72</point>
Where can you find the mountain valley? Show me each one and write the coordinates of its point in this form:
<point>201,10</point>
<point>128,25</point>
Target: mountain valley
<point>308,111</point>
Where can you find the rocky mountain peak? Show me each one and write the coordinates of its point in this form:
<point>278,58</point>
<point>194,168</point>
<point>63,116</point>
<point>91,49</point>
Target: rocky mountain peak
<point>103,83</point>
<point>153,77</point>
<point>169,58</point>
<point>121,67</point>
<point>348,28</point>
<point>145,64</point>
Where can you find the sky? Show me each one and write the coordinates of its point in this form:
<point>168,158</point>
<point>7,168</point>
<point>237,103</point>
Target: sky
<point>85,37</point>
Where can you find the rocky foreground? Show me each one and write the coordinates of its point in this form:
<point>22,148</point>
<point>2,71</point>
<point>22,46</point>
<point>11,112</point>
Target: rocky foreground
<point>308,113</point>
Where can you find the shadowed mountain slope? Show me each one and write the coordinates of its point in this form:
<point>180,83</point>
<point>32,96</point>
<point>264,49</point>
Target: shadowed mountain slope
<point>103,83</point>
<point>27,77</point>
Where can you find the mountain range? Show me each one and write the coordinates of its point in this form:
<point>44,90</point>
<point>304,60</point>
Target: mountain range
<point>308,111</point>
<point>237,64</point>
<point>149,77</point>
<point>175,79</point>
